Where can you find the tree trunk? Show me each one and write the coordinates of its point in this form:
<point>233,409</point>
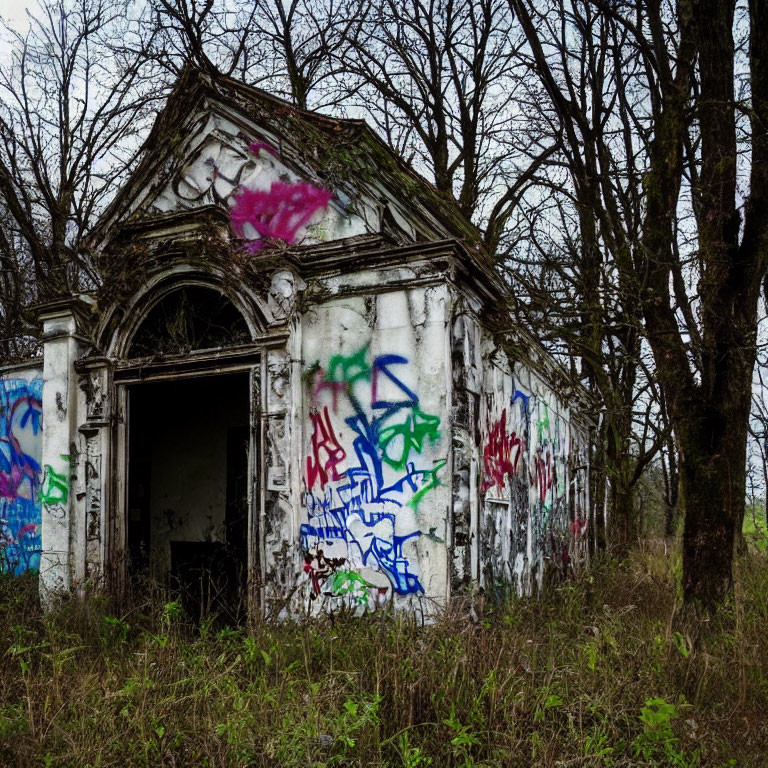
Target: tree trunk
<point>625,523</point>
<point>713,454</point>
<point>708,535</point>
<point>670,519</point>
<point>620,464</point>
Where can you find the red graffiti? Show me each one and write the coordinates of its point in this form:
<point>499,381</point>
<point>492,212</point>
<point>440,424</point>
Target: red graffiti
<point>28,528</point>
<point>545,475</point>
<point>327,452</point>
<point>278,213</point>
<point>578,527</point>
<point>501,454</point>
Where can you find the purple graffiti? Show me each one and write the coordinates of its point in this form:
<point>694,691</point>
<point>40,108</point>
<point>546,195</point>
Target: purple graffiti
<point>276,214</point>
<point>20,474</point>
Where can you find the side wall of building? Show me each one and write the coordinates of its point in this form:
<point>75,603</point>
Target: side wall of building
<point>521,469</point>
<point>21,473</point>
<point>371,444</point>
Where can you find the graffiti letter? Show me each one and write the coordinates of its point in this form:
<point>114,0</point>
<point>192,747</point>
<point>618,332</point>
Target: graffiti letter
<point>497,454</point>
<point>324,438</point>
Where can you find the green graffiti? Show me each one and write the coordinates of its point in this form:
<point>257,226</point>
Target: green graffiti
<point>55,488</point>
<point>433,482</point>
<point>543,423</point>
<point>349,583</point>
<point>417,428</point>
<point>349,369</point>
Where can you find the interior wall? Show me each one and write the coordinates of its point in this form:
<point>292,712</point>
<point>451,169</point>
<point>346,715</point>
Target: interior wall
<point>179,434</point>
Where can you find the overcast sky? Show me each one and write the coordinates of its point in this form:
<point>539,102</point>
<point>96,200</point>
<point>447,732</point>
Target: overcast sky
<point>13,11</point>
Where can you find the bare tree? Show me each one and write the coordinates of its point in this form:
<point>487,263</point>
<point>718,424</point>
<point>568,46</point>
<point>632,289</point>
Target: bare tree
<point>303,41</point>
<point>563,241</point>
<point>758,430</point>
<point>71,115</point>
<point>288,46</point>
<point>18,331</point>
<point>697,298</point>
<point>435,77</point>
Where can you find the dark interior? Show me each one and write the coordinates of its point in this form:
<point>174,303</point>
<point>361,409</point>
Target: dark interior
<point>187,490</point>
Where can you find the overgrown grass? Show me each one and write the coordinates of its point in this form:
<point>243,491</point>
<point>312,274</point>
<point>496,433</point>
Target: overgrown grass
<point>755,529</point>
<point>598,673</point>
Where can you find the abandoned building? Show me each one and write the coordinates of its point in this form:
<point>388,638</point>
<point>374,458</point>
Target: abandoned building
<point>298,381</point>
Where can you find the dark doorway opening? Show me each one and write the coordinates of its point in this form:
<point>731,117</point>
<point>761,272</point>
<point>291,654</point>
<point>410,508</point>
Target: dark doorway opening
<point>188,490</point>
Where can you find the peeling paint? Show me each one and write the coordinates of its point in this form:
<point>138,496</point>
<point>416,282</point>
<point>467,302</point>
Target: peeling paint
<point>534,503</point>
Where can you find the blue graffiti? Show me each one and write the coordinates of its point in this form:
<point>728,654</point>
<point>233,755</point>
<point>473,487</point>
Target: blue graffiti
<point>387,432</point>
<point>520,396</point>
<point>20,475</point>
<point>340,516</point>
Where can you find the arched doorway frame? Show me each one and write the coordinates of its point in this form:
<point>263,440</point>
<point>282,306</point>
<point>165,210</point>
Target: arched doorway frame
<point>116,332</point>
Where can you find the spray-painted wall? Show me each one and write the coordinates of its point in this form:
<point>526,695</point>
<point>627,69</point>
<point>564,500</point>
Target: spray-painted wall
<point>374,439</point>
<point>520,470</point>
<point>269,198</point>
<point>398,456</point>
<point>21,393</point>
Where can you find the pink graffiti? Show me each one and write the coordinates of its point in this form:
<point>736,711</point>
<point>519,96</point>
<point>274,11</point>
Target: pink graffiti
<point>255,146</point>
<point>498,459</point>
<point>9,483</point>
<point>327,452</point>
<point>545,475</point>
<point>277,214</point>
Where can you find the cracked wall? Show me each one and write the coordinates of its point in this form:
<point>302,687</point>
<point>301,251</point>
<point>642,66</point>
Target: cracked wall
<point>521,471</point>
<point>374,451</point>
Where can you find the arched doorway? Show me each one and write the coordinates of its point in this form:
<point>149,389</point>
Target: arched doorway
<point>186,453</point>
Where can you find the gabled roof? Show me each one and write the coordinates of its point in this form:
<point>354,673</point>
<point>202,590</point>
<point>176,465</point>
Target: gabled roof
<point>344,155</point>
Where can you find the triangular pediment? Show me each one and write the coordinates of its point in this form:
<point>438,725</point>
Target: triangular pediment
<point>242,170</point>
<point>276,174</point>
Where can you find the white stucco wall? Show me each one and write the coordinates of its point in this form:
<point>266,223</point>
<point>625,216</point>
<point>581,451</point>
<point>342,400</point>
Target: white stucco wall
<point>521,470</point>
<point>398,457</point>
<point>62,559</point>
<point>222,163</point>
<point>375,440</point>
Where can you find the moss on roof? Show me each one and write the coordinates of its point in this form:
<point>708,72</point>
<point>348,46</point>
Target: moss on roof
<point>342,151</point>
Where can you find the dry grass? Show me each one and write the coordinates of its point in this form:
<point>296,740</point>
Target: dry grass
<point>599,673</point>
